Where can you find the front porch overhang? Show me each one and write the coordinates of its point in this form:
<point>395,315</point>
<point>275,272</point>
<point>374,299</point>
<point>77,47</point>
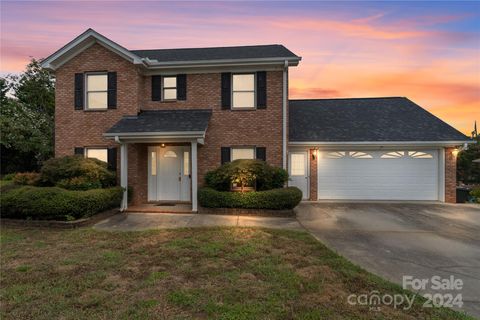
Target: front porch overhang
<point>160,126</point>
<point>126,140</point>
<point>157,137</point>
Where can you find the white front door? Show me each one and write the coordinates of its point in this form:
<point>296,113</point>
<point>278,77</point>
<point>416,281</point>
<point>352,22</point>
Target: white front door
<point>298,171</point>
<point>167,179</point>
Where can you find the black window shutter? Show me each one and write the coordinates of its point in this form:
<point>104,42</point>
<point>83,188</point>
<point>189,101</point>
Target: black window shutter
<point>112,158</point>
<point>78,91</point>
<point>112,90</point>
<point>225,155</point>
<point>156,88</point>
<point>226,90</point>
<point>261,153</point>
<point>261,90</point>
<point>79,151</point>
<point>182,87</point>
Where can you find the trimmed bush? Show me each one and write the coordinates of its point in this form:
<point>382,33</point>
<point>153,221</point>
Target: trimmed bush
<point>53,203</point>
<point>60,169</point>
<point>79,183</point>
<point>277,199</point>
<point>27,178</point>
<point>476,194</point>
<point>9,176</point>
<point>264,176</point>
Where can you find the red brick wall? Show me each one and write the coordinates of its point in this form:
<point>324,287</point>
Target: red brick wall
<point>78,128</point>
<point>261,128</point>
<point>450,176</point>
<point>313,176</point>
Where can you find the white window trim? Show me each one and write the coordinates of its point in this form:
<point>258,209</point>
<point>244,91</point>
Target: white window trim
<point>85,151</point>
<point>85,98</point>
<point>244,147</point>
<point>254,91</point>
<point>163,87</point>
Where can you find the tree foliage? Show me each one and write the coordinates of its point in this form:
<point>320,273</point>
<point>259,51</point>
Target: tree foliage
<point>468,171</point>
<point>27,118</point>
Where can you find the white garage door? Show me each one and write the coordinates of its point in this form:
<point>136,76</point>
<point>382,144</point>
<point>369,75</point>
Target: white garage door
<point>378,175</point>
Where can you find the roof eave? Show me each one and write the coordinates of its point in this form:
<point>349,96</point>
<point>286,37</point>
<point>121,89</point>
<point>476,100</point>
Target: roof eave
<point>154,64</point>
<point>83,42</point>
<point>163,134</point>
<point>448,143</point>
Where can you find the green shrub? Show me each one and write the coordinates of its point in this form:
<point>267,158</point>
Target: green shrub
<point>277,199</point>
<point>57,169</point>
<point>264,176</point>
<point>9,176</point>
<point>476,194</point>
<point>79,183</point>
<point>53,203</point>
<point>27,178</point>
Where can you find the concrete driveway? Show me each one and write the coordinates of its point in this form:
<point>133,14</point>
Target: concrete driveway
<point>412,239</point>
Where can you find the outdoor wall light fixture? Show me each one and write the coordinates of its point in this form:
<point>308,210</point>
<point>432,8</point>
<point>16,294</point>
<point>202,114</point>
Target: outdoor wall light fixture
<point>314,154</point>
<point>455,152</point>
<point>162,145</point>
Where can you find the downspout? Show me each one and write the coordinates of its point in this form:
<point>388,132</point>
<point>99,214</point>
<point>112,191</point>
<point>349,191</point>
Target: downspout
<point>284,116</point>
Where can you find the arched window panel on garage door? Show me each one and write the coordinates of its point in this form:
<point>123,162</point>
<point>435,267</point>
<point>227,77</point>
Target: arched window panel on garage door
<point>419,155</point>
<point>393,155</point>
<point>360,155</point>
<point>335,155</point>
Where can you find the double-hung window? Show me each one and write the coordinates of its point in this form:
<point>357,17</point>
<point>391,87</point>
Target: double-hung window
<point>96,91</point>
<point>243,90</point>
<point>169,87</point>
<point>97,153</point>
<point>242,153</point>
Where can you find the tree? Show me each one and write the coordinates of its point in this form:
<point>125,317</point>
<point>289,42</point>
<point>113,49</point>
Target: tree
<point>467,171</point>
<point>27,118</point>
<point>35,88</point>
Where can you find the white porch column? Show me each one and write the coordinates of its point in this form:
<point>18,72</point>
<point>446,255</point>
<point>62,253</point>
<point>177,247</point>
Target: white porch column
<point>124,175</point>
<point>194,176</point>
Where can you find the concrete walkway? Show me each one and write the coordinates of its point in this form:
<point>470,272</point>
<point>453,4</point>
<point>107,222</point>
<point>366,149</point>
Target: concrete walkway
<point>147,221</point>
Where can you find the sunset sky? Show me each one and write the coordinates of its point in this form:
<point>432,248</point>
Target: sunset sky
<point>426,51</point>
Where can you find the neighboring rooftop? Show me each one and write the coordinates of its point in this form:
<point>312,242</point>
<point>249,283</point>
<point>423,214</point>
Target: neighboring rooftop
<point>163,121</point>
<point>216,53</point>
<point>366,119</point>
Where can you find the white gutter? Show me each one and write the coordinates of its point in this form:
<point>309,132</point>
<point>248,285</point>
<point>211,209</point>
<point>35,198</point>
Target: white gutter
<point>176,134</point>
<point>380,143</point>
<point>284,115</point>
<point>154,64</point>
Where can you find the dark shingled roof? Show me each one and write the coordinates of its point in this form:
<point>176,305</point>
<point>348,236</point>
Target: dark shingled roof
<point>216,53</point>
<point>366,119</point>
<point>164,121</point>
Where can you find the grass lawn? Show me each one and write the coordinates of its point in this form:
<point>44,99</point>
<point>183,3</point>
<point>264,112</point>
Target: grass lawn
<point>221,273</point>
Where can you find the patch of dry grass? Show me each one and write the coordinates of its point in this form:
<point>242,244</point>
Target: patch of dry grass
<point>223,273</point>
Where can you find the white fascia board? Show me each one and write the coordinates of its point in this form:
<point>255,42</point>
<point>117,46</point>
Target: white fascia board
<point>82,42</point>
<point>379,143</point>
<point>163,135</point>
<point>216,69</point>
<point>154,64</point>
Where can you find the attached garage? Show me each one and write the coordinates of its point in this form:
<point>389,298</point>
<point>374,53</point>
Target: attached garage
<point>378,175</point>
<point>371,149</point>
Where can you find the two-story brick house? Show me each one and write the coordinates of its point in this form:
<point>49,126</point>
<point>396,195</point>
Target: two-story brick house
<point>175,114</point>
